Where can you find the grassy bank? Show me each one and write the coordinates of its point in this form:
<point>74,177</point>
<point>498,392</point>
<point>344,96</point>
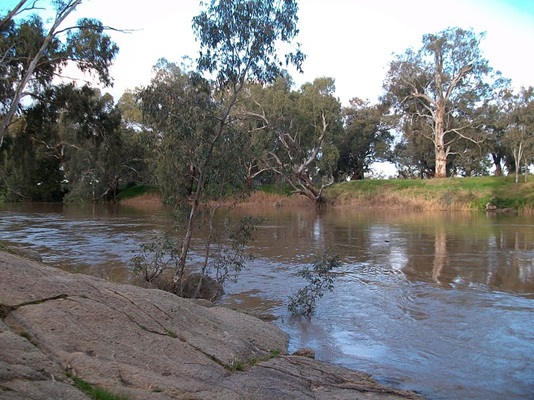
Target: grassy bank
<point>459,194</point>
<point>436,194</point>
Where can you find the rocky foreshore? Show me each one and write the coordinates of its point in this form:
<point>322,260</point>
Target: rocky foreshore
<point>57,328</point>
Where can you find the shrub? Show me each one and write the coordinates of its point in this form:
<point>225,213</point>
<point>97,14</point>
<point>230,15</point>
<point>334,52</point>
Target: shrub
<point>320,279</point>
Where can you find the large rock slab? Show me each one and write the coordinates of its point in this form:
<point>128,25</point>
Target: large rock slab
<point>147,344</point>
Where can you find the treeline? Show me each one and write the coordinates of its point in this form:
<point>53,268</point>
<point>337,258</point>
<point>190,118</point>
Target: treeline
<point>444,112</point>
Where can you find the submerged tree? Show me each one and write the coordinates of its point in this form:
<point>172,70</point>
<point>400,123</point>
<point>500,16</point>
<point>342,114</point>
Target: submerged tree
<point>320,277</point>
<point>440,87</point>
<point>238,42</point>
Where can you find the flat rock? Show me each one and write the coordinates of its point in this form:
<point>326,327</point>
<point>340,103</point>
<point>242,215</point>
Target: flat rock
<point>148,344</point>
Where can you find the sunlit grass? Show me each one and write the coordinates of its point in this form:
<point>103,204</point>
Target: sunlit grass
<point>436,194</point>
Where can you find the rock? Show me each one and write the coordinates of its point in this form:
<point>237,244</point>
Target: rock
<point>491,207</point>
<point>305,352</point>
<point>148,344</point>
<point>210,289</point>
<point>26,252</point>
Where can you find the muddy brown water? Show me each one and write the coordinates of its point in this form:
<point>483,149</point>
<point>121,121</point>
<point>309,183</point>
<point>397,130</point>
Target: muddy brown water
<point>441,303</point>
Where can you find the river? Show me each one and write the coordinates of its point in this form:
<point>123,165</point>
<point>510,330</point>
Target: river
<point>440,303</point>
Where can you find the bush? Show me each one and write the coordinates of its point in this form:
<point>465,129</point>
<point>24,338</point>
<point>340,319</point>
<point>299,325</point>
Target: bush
<point>320,279</point>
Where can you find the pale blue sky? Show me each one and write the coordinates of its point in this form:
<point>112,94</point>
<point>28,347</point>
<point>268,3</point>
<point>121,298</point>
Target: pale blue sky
<point>349,40</point>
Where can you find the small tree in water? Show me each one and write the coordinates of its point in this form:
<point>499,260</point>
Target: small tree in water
<point>320,279</point>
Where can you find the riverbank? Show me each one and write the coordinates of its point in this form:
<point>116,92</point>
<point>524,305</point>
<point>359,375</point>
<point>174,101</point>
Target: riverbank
<point>448,194</point>
<point>65,335</point>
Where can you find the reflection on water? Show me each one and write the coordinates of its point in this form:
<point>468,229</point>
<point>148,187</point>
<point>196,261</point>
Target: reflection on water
<point>440,303</point>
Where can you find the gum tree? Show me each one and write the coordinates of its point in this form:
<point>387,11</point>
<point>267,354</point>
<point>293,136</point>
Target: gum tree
<point>33,53</point>
<point>440,86</point>
<point>239,41</point>
<point>298,130</point>
<point>519,135</point>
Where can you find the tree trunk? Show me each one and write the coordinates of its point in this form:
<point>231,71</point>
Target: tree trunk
<point>439,142</point>
<point>357,173</point>
<point>30,68</point>
<point>497,163</point>
<point>518,155</point>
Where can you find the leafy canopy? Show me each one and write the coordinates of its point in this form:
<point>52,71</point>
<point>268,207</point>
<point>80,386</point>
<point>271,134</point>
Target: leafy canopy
<point>241,39</point>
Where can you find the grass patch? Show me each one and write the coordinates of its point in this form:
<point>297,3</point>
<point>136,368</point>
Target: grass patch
<point>94,392</point>
<point>241,366</point>
<point>137,190</point>
<point>171,333</point>
<point>436,194</point>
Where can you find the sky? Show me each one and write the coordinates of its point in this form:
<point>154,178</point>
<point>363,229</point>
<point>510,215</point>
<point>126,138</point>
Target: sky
<point>351,41</point>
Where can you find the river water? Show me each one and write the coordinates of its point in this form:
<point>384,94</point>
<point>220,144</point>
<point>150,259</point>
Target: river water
<point>440,303</point>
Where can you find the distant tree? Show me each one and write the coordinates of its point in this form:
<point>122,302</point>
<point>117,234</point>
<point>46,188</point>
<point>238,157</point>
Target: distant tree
<point>33,53</point>
<point>297,130</point>
<point>70,143</point>
<point>413,156</point>
<point>365,139</point>
<point>520,130</point>
<point>494,122</point>
<point>440,86</point>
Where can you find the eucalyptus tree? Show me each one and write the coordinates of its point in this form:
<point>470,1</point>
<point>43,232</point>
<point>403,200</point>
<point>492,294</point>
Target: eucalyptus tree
<point>413,156</point>
<point>297,131</point>
<point>440,86</point>
<point>70,144</point>
<point>239,42</point>
<point>33,52</point>
<point>366,138</point>
<point>519,136</point>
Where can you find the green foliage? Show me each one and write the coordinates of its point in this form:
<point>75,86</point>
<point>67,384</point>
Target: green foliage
<point>229,261</point>
<point>70,142</point>
<point>241,38</point>
<point>365,139</point>
<point>136,191</point>
<point>437,93</point>
<point>94,392</point>
<point>320,279</point>
<point>155,256</point>
<point>296,131</point>
<point>35,52</point>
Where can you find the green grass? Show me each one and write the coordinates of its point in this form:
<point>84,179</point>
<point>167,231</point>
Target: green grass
<point>241,366</point>
<point>448,193</point>
<point>94,392</point>
<point>137,190</point>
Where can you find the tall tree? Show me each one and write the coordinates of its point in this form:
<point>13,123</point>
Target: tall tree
<point>239,41</point>
<point>32,53</point>
<point>70,141</point>
<point>298,130</point>
<point>441,85</point>
<point>520,131</point>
